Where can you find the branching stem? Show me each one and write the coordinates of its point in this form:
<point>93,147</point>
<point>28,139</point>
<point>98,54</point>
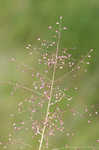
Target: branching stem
<point>51,91</point>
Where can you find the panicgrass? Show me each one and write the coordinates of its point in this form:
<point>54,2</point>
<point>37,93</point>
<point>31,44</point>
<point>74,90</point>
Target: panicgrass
<point>46,98</point>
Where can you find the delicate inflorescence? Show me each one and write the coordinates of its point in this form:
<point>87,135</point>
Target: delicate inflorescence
<point>49,97</point>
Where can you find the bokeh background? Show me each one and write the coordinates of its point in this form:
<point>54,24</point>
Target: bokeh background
<point>21,22</point>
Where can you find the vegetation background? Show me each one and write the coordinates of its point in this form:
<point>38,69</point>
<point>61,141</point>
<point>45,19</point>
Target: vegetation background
<point>22,21</point>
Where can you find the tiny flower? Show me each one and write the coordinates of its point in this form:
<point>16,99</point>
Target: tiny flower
<point>61,17</point>
<point>57,23</point>
<point>91,50</point>
<point>39,39</point>
<point>64,28</point>
<point>89,121</point>
<point>68,134</point>
<point>89,56</point>
<point>49,27</point>
<point>35,87</point>
<point>97,140</point>
<point>87,63</point>
<point>96,113</point>
<point>56,31</point>
<point>29,45</point>
<point>13,59</point>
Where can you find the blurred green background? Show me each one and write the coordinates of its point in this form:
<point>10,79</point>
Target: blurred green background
<point>22,21</point>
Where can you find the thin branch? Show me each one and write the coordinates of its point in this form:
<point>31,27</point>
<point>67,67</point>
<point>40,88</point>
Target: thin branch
<point>23,87</point>
<point>75,69</point>
<point>34,71</point>
<point>51,92</point>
